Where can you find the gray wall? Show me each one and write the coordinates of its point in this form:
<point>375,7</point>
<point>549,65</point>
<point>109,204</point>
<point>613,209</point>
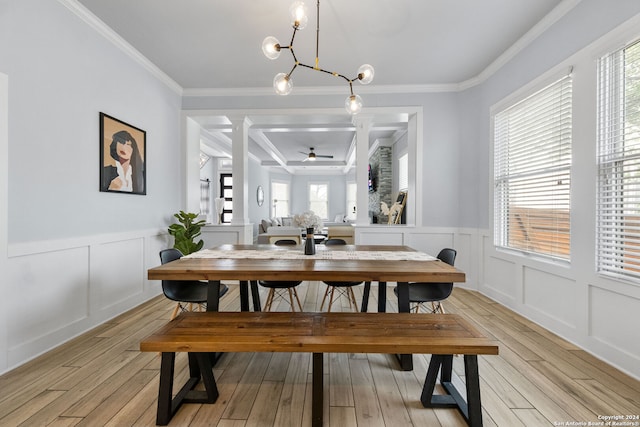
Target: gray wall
<point>62,74</point>
<point>76,256</point>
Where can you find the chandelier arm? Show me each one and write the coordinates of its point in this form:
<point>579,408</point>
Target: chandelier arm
<point>325,71</point>
<point>293,36</point>
<point>295,64</point>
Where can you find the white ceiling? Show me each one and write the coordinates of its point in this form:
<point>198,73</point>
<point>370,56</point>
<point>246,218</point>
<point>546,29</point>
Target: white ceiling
<point>215,45</point>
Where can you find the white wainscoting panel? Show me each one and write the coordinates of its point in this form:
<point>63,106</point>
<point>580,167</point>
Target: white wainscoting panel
<point>379,237</point>
<point>117,273</point>
<point>568,298</point>
<point>430,242</point>
<point>613,321</point>
<point>60,289</point>
<point>548,296</point>
<point>48,292</point>
<point>501,280</point>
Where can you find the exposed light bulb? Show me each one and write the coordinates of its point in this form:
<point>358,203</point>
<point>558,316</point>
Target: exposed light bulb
<point>282,84</point>
<point>271,47</point>
<point>298,13</point>
<point>353,104</point>
<point>365,74</point>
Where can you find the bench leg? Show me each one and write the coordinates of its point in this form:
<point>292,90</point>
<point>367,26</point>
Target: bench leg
<point>406,360</point>
<point>199,366</point>
<point>317,405</point>
<point>471,409</point>
<point>164,413</point>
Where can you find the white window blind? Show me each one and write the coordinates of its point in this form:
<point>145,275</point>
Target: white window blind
<point>618,204</point>
<point>532,172</point>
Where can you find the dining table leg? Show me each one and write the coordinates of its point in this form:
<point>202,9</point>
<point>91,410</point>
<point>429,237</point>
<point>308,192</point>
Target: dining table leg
<point>244,295</point>
<point>382,297</point>
<point>213,295</point>
<point>255,296</point>
<point>406,360</point>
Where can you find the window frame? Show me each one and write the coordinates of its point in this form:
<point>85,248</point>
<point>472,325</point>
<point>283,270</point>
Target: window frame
<point>309,201</point>
<point>617,253</point>
<point>273,207</point>
<point>502,239</point>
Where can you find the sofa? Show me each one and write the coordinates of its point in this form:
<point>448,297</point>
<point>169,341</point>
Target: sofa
<point>280,227</point>
<point>344,232</point>
<point>283,221</point>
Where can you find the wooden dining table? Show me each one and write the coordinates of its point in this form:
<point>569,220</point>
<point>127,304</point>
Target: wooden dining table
<point>357,263</point>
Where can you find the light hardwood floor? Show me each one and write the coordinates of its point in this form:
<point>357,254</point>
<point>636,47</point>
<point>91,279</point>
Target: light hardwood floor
<point>101,378</point>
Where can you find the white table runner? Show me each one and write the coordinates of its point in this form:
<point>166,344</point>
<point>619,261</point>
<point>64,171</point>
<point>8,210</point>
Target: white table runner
<point>320,254</point>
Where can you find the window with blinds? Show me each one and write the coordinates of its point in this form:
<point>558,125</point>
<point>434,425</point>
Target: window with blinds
<point>532,173</point>
<point>618,203</point>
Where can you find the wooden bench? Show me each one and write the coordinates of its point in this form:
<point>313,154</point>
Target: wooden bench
<point>202,334</point>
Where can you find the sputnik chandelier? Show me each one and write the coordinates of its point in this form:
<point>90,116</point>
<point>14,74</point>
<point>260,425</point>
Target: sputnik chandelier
<point>282,81</point>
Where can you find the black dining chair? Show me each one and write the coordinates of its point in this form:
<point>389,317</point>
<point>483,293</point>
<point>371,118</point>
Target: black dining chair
<point>421,293</point>
<point>282,288</point>
<point>184,292</point>
<point>341,288</point>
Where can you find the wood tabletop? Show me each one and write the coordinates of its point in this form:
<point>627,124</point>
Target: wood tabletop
<point>320,333</point>
<point>311,269</point>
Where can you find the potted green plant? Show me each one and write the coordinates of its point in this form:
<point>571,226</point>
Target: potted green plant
<point>185,232</point>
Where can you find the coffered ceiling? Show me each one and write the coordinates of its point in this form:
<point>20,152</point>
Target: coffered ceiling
<point>214,46</point>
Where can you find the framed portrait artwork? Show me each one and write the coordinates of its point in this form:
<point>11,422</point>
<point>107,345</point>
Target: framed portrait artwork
<point>122,157</point>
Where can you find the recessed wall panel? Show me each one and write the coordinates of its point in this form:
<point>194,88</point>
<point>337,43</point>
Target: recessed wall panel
<point>381,239</point>
<point>46,293</point>
<point>117,272</point>
<point>430,243</point>
<point>551,295</point>
<point>500,277</point>
<point>614,319</point>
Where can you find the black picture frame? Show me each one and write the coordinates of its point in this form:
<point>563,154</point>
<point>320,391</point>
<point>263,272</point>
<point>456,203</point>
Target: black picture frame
<point>119,174</point>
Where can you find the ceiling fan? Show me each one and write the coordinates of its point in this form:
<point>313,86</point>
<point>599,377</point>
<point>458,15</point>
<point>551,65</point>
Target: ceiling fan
<point>312,156</point>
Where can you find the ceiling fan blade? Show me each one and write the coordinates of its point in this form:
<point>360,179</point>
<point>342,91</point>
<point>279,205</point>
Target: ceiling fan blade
<point>303,152</point>
<point>324,156</point>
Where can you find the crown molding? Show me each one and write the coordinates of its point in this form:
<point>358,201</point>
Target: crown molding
<point>543,25</point>
<point>104,30</point>
<point>322,90</point>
